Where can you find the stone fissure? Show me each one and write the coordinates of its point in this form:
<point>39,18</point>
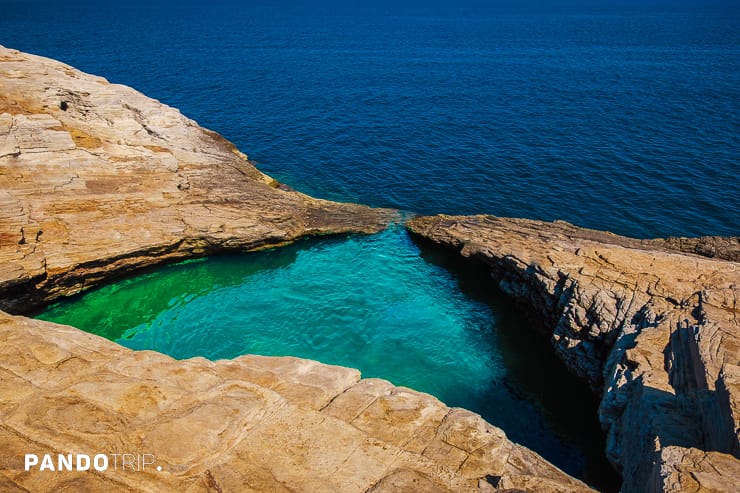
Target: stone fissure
<point>654,351</point>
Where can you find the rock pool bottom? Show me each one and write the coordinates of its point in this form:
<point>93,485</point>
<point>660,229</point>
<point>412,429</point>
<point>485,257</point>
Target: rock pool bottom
<point>411,314</point>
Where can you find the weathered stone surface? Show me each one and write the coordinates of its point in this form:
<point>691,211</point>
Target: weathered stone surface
<point>97,180</point>
<point>689,469</point>
<point>656,330</point>
<point>707,246</point>
<point>250,424</point>
<point>117,181</point>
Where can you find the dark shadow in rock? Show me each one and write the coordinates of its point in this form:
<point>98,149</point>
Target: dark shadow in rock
<point>182,280</point>
<point>542,393</point>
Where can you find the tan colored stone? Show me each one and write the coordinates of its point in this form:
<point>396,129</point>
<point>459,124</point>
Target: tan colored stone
<point>212,427</point>
<point>650,325</point>
<point>97,181</point>
<point>119,181</point>
<point>405,480</point>
<point>683,469</point>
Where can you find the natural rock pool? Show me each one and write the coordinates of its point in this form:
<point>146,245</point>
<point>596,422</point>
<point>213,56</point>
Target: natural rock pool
<point>408,313</point>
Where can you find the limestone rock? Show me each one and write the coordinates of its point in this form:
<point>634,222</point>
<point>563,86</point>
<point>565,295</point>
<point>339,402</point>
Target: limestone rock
<point>683,469</point>
<point>97,180</point>
<point>255,423</point>
<point>654,329</point>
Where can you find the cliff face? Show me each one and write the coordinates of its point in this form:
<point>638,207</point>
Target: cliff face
<point>654,329</point>
<point>96,180</point>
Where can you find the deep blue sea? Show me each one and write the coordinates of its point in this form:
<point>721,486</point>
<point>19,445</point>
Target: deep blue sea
<point>617,115</point>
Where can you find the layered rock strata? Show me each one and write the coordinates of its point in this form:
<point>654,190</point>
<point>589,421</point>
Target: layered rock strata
<point>261,424</point>
<point>652,328</point>
<point>97,179</point>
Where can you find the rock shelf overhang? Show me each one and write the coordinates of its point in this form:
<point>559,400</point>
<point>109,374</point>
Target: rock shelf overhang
<point>117,181</point>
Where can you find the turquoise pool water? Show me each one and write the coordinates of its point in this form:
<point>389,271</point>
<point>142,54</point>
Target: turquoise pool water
<point>411,314</point>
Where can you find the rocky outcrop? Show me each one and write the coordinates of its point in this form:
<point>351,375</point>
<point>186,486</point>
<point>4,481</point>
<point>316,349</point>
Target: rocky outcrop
<point>97,180</point>
<point>654,329</point>
<point>250,424</point>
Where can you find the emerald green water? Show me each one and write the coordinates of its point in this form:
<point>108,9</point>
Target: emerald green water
<point>410,314</point>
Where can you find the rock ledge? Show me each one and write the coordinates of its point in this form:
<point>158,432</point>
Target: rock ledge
<point>652,328</point>
<point>254,423</point>
<point>97,180</point>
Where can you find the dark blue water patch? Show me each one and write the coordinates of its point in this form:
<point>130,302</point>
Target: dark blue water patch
<point>618,115</point>
<point>418,317</point>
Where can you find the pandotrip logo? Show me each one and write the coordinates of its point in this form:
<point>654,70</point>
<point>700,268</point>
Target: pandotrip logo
<point>125,462</point>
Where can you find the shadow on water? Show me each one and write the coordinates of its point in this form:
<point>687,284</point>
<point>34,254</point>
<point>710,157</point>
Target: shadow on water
<point>549,396</point>
<point>166,286</point>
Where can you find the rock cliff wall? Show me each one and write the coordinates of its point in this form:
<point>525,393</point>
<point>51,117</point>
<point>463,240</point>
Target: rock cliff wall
<point>653,329</point>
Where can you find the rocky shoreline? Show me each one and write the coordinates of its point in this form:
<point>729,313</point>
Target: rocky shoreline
<point>652,329</point>
<point>254,423</point>
<point>98,181</point>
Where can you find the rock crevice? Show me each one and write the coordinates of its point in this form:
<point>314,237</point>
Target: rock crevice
<point>650,327</point>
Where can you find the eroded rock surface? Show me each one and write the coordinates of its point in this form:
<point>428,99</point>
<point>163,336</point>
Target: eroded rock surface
<point>254,423</point>
<point>97,179</point>
<point>655,330</point>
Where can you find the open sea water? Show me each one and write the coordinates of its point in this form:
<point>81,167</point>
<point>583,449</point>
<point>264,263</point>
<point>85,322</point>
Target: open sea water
<point>617,115</point>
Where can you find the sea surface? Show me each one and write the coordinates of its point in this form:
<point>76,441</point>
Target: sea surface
<point>612,114</point>
<point>617,115</point>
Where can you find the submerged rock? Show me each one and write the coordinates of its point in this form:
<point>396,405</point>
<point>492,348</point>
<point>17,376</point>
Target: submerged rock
<point>650,327</point>
<point>97,180</point>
